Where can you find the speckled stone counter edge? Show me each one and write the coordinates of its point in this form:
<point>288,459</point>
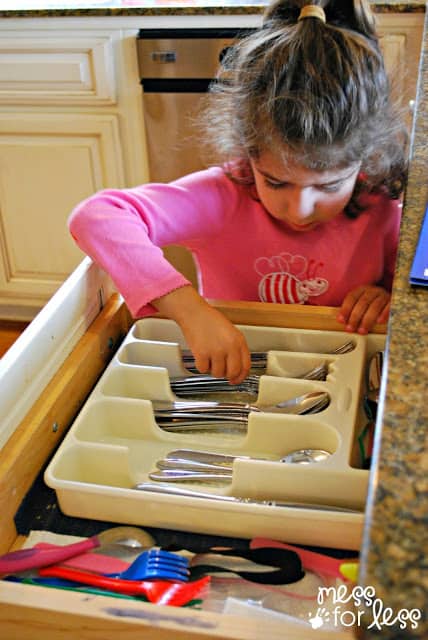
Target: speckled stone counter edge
<point>395,542</point>
<point>401,7</point>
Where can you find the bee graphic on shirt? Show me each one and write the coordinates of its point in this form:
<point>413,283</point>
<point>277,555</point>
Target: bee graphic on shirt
<point>289,279</point>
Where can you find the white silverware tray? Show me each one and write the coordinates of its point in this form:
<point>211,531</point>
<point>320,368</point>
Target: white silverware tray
<point>115,441</point>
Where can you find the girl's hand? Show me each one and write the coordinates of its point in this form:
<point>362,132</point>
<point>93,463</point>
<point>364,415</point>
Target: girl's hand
<point>218,346</point>
<point>364,307</point>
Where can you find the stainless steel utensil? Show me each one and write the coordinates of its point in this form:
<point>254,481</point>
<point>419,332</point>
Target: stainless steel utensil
<point>344,348</point>
<point>189,493</point>
<point>306,456</point>
<point>197,424</point>
<point>373,379</point>
<point>259,358</point>
<point>205,461</point>
<point>204,383</point>
<point>370,402</point>
<point>374,376</point>
<point>206,457</point>
<point>180,475</point>
<point>204,415</point>
<point>191,465</point>
<point>313,401</point>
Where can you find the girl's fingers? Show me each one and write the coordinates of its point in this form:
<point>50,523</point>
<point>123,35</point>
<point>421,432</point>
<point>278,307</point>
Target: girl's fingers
<point>373,314</point>
<point>219,365</point>
<point>367,312</point>
<point>239,368</point>
<point>233,365</point>
<point>363,308</point>
<point>202,363</point>
<point>348,305</point>
<point>384,314</point>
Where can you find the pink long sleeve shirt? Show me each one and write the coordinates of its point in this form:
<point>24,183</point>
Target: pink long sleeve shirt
<point>241,252</point>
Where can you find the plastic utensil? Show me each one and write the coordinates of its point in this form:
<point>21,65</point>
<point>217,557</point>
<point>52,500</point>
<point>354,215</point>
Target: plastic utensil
<point>96,560</point>
<point>288,565</point>
<point>311,560</point>
<point>67,585</point>
<point>156,564</point>
<point>33,558</point>
<point>349,570</point>
<point>156,591</point>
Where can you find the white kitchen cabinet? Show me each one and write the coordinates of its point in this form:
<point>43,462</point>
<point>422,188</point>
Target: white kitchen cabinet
<point>401,39</point>
<point>70,124</point>
<point>49,162</point>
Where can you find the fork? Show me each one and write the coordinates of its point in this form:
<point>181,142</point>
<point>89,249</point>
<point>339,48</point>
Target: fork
<point>156,564</point>
<point>259,358</point>
<point>204,383</point>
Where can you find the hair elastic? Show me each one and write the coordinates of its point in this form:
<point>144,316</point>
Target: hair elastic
<point>312,11</point>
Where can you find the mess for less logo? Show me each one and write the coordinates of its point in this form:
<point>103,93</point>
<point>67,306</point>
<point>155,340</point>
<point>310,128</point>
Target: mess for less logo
<point>345,611</point>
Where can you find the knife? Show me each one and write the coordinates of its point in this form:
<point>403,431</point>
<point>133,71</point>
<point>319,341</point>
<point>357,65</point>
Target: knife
<point>165,488</point>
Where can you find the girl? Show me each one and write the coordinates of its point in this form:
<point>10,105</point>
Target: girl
<point>304,208</point>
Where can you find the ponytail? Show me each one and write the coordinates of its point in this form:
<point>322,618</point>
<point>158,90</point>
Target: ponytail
<point>355,15</point>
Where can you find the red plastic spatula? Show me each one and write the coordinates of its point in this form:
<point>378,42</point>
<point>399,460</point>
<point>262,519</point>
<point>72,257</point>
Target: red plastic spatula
<point>156,591</point>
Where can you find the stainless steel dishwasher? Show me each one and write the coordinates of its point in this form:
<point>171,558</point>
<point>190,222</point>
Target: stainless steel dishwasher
<point>176,67</point>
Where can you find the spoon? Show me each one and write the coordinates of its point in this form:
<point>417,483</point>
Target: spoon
<point>308,402</point>
<point>306,456</point>
<point>194,460</point>
<point>182,470</point>
<point>373,379</point>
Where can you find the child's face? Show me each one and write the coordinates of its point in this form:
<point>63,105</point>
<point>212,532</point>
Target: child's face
<point>300,197</point>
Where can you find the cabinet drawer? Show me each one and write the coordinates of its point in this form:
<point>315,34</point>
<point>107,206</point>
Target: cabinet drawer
<point>63,70</point>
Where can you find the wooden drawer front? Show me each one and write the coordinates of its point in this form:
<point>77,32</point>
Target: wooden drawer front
<point>64,71</point>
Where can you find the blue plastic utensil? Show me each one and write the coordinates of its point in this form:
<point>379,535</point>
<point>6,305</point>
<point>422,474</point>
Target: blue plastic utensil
<point>156,564</point>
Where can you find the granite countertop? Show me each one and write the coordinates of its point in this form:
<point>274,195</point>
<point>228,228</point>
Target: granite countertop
<point>42,8</point>
<point>396,537</point>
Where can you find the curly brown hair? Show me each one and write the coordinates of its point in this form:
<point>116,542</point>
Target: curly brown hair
<point>315,91</point>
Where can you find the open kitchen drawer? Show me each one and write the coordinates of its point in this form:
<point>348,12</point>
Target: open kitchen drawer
<point>45,379</point>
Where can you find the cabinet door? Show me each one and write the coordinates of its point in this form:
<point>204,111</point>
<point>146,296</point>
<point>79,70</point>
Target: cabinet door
<point>48,163</point>
<point>401,40</point>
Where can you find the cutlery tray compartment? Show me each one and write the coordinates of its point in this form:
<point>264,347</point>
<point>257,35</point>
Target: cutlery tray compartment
<point>115,441</point>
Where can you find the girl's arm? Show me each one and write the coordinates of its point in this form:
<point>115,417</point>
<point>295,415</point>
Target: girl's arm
<point>217,345</point>
<point>124,230</point>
